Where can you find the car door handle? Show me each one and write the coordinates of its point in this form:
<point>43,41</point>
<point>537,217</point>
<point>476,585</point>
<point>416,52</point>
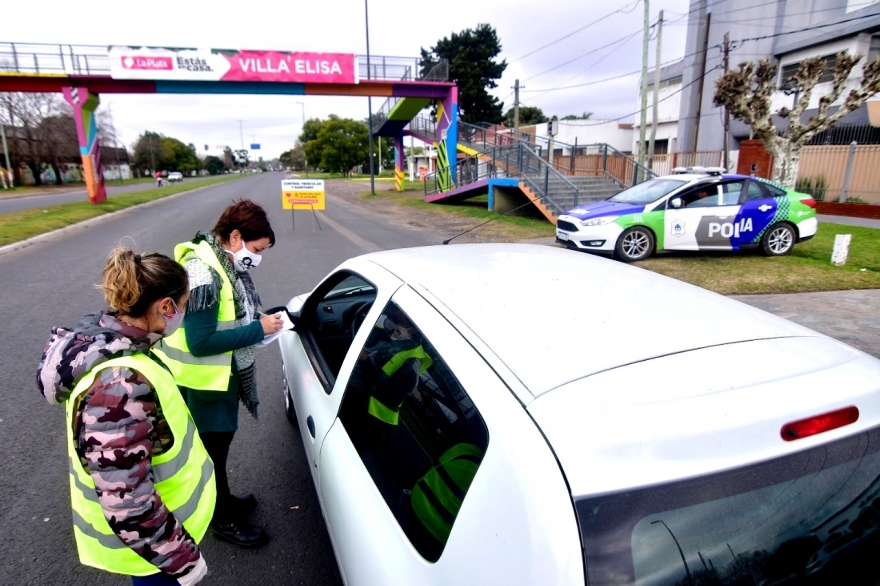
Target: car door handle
<point>311,425</point>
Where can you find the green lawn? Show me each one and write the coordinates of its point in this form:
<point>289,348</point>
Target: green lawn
<point>807,268</point>
<point>17,226</point>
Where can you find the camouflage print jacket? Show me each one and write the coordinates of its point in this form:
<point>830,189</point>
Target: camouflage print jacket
<point>118,428</point>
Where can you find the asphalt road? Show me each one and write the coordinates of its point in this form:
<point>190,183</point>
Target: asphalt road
<point>15,204</point>
<point>51,283</point>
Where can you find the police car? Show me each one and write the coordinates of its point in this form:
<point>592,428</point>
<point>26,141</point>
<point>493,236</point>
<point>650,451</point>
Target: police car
<point>692,439</point>
<point>696,208</point>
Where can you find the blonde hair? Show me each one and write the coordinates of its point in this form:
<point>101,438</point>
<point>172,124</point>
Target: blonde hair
<point>132,282</point>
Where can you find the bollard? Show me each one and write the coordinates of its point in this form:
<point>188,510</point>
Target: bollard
<point>841,249</point>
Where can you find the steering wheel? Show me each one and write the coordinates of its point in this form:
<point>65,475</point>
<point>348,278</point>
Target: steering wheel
<point>359,316</point>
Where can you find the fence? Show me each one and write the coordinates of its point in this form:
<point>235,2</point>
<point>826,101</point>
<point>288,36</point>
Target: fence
<point>822,172</point>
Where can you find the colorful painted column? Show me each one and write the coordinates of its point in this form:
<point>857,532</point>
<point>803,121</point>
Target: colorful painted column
<point>447,139</point>
<point>84,104</point>
<point>399,159</point>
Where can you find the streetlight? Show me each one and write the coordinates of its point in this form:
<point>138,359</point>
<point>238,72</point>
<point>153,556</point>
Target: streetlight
<point>681,553</point>
<point>369,101</point>
<point>305,158</point>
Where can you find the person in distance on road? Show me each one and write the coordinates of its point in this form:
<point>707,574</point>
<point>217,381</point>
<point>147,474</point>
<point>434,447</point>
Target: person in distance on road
<point>142,485</point>
<point>212,356</point>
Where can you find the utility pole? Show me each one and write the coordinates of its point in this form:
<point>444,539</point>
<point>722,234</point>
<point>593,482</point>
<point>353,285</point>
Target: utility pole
<point>370,101</point>
<point>702,79</point>
<point>726,62</point>
<point>516,88</point>
<point>654,115</point>
<point>643,115</point>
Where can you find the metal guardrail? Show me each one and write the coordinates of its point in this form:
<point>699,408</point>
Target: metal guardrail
<point>36,58</point>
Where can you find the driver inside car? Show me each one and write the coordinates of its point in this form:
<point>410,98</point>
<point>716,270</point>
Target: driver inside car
<point>386,373</point>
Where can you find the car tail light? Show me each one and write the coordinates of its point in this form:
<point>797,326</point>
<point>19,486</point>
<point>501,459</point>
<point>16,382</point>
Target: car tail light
<point>819,423</point>
<point>810,202</point>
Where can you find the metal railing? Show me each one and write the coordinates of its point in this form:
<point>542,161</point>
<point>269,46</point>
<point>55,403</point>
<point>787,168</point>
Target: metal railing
<point>611,163</point>
<point>516,161</point>
<point>440,72</point>
<point>44,58</point>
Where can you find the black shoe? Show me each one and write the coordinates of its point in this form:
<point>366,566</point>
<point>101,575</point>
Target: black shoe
<point>241,533</point>
<point>243,504</point>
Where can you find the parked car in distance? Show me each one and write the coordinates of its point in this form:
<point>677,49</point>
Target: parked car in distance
<point>693,209</point>
<point>175,176</point>
<point>462,426</point>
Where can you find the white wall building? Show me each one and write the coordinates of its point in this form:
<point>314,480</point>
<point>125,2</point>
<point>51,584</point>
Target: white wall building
<point>668,110</point>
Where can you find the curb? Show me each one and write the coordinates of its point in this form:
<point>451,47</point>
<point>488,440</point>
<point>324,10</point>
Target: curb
<point>15,246</point>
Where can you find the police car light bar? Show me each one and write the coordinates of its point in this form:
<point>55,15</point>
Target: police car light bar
<point>698,170</point>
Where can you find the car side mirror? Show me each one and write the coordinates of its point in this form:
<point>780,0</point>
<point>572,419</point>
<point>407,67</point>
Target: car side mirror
<point>675,202</point>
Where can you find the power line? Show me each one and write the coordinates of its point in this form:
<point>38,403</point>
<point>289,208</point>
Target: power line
<point>586,26</point>
<point>596,50</point>
<point>755,21</point>
<point>803,30</point>
<point>639,111</point>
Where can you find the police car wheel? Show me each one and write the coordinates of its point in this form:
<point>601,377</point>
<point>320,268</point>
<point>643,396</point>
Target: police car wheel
<point>635,244</point>
<point>288,399</point>
<point>778,240</point>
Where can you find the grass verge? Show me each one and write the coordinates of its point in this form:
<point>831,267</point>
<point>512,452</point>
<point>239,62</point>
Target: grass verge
<point>18,226</point>
<point>807,268</point>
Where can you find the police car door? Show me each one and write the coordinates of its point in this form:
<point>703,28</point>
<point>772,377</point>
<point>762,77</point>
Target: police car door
<point>705,219</point>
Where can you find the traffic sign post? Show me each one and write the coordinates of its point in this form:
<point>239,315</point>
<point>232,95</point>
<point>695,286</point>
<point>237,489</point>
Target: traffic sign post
<point>302,194</point>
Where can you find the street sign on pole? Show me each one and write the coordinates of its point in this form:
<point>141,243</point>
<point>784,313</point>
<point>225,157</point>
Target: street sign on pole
<point>302,194</point>
<point>255,146</point>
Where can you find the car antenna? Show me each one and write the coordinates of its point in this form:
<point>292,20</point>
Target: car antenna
<point>531,201</point>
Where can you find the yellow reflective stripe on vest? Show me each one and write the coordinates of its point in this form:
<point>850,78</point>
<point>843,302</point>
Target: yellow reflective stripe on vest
<point>395,362</point>
<point>183,476</point>
<point>380,411</point>
<point>439,494</point>
<point>205,373</point>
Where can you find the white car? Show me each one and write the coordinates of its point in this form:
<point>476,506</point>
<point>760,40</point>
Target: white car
<point>693,209</point>
<point>175,176</point>
<point>517,414</point>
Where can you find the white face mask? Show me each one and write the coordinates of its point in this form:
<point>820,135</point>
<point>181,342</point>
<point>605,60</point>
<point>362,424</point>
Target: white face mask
<point>244,259</point>
<point>173,323</point>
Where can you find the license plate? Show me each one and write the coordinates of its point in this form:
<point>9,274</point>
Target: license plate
<point>562,235</point>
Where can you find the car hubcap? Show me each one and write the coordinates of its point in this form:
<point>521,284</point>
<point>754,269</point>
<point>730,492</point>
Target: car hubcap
<point>780,240</point>
<point>635,244</point>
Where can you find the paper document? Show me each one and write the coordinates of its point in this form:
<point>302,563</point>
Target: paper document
<point>288,325</point>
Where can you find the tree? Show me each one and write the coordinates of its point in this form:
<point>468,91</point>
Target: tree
<point>528,115</point>
<point>32,120</point>
<point>748,90</point>
<point>584,116</point>
<point>340,145</point>
<point>214,165</point>
<point>155,152</point>
<point>294,158</point>
<point>472,66</point>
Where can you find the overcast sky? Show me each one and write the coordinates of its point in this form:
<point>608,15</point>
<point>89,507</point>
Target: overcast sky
<point>610,47</point>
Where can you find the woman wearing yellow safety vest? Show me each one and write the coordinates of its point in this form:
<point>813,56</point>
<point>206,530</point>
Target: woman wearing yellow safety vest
<point>142,485</point>
<point>212,356</point>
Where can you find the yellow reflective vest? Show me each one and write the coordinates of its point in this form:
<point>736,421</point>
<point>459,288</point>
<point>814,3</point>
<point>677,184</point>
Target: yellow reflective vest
<point>205,373</point>
<point>183,476</point>
<point>391,413</point>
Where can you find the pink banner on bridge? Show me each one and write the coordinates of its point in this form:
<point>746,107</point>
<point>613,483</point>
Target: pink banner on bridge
<point>232,65</point>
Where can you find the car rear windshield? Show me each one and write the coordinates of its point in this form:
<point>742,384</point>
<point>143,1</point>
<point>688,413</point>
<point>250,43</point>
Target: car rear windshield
<point>808,518</point>
<point>648,191</point>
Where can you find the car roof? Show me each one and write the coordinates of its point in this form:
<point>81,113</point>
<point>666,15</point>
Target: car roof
<point>554,316</point>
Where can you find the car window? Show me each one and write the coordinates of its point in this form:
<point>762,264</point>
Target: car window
<point>773,190</point>
<point>416,430</point>
<point>754,192</point>
<point>730,192</point>
<point>701,196</point>
<point>648,191</point>
<point>808,518</point>
<point>329,320</point>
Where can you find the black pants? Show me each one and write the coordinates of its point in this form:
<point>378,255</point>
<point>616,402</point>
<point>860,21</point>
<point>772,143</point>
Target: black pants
<point>217,445</point>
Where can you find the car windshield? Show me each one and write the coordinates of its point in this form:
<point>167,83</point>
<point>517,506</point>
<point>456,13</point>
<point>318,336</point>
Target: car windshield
<point>810,517</point>
<point>648,191</point>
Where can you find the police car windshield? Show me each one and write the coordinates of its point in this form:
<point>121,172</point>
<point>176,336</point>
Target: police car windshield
<point>648,191</point>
